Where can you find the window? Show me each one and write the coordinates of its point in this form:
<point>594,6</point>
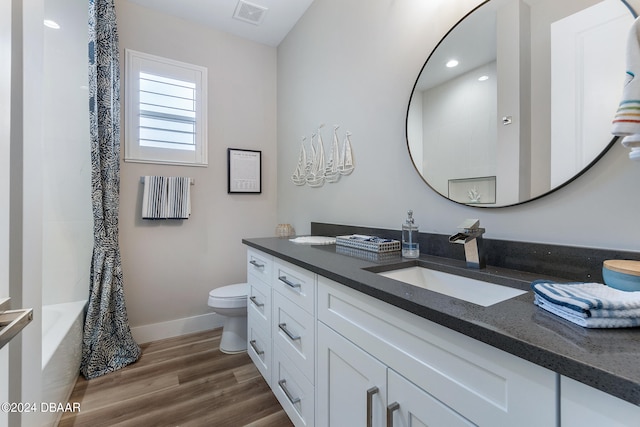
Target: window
<point>166,119</point>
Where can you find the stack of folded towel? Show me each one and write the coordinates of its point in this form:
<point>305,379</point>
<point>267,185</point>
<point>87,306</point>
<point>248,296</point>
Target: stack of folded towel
<point>591,305</point>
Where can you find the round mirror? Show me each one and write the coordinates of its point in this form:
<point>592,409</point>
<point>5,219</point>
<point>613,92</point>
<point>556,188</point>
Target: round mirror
<point>517,99</point>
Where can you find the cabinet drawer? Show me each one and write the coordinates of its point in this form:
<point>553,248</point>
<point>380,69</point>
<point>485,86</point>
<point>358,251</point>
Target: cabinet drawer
<point>295,283</point>
<point>259,265</point>
<point>259,301</point>
<point>294,333</point>
<point>260,350</point>
<point>294,392</point>
<point>485,385</point>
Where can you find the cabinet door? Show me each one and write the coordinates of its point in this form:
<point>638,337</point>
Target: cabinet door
<point>351,384</point>
<point>581,405</point>
<point>410,406</point>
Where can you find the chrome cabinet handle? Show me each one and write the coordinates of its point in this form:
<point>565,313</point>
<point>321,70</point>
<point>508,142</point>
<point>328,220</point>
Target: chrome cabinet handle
<point>373,390</point>
<point>257,304</point>
<point>390,410</point>
<point>293,400</point>
<point>255,348</point>
<point>283,328</point>
<point>289,283</point>
<point>256,264</point>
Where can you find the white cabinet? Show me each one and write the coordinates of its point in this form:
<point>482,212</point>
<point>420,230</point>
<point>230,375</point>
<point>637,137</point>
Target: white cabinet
<point>296,284</point>
<point>294,334</point>
<point>293,328</point>
<point>482,384</point>
<point>293,390</point>
<point>409,405</point>
<point>584,406</point>
<point>355,389</point>
<point>281,327</point>
<point>336,357</point>
<point>259,310</point>
<point>352,385</point>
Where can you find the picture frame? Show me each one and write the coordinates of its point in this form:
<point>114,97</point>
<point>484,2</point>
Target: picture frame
<point>244,171</point>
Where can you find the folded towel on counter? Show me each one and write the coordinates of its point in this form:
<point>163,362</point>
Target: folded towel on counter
<point>627,119</point>
<point>589,304</point>
<point>587,322</point>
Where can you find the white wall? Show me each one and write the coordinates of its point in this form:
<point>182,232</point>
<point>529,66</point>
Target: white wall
<point>353,65</point>
<point>461,113</point>
<point>170,266</point>
<point>5,179</point>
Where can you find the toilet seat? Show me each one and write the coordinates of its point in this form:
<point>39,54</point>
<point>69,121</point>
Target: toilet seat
<point>230,296</point>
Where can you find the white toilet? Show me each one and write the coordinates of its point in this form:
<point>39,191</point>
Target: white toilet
<point>231,301</point>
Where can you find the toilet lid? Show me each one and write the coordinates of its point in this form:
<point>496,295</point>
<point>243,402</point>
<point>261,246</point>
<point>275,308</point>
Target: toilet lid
<point>239,290</point>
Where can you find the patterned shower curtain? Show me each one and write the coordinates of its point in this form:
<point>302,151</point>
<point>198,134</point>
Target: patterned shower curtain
<point>107,343</point>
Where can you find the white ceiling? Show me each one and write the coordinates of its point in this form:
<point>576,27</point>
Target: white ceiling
<point>279,18</point>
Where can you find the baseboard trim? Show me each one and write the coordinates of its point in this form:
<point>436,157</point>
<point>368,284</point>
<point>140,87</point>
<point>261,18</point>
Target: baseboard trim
<point>177,327</point>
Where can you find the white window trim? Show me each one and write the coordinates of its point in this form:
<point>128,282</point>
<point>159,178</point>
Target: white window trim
<point>133,151</point>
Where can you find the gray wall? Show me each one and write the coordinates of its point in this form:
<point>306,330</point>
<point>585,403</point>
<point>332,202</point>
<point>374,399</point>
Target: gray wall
<point>170,266</point>
<point>355,66</point>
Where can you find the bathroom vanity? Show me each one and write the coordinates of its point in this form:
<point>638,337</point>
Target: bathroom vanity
<point>340,344</point>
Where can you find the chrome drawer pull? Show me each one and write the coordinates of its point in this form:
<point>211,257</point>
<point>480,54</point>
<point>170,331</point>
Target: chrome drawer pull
<point>257,304</point>
<point>256,264</point>
<point>255,348</point>
<point>390,410</point>
<point>283,328</point>
<point>287,282</point>
<point>370,393</point>
<point>293,400</point>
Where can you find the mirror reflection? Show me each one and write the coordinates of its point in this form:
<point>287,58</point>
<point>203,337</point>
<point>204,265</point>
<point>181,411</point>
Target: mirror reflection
<point>517,99</point>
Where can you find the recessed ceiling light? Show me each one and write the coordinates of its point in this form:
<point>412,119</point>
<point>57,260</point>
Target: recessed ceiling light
<point>452,63</point>
<point>51,24</point>
<point>483,78</point>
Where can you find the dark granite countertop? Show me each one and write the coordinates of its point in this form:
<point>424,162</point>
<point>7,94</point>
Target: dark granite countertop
<point>606,359</point>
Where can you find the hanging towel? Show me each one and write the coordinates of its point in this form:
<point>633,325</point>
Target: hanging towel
<point>589,304</point>
<point>627,119</point>
<point>633,142</point>
<point>166,197</point>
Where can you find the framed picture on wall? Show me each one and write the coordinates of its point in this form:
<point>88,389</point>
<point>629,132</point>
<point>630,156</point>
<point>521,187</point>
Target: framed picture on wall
<point>244,171</point>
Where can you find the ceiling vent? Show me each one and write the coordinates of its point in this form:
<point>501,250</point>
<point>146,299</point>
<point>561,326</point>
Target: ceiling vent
<point>249,12</point>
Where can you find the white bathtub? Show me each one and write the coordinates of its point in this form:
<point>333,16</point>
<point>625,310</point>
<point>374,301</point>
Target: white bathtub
<point>61,352</point>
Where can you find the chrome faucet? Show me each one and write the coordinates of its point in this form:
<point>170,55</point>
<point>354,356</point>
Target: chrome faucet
<point>471,237</point>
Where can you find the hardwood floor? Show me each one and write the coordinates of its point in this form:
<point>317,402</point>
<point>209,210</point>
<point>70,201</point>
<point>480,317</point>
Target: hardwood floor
<point>183,381</point>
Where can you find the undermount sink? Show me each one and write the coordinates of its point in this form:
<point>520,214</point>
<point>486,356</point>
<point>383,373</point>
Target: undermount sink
<point>464,288</point>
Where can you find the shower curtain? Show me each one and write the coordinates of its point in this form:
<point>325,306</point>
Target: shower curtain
<point>107,343</point>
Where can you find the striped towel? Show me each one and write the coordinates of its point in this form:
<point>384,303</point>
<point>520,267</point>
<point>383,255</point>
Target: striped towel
<point>587,322</point>
<point>166,197</point>
<point>591,305</point>
<point>627,119</point>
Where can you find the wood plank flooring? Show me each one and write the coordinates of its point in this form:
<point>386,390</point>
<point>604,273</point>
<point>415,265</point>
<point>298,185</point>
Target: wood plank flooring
<point>184,381</point>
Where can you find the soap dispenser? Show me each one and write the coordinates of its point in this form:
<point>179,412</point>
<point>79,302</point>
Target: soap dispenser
<point>410,245</point>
